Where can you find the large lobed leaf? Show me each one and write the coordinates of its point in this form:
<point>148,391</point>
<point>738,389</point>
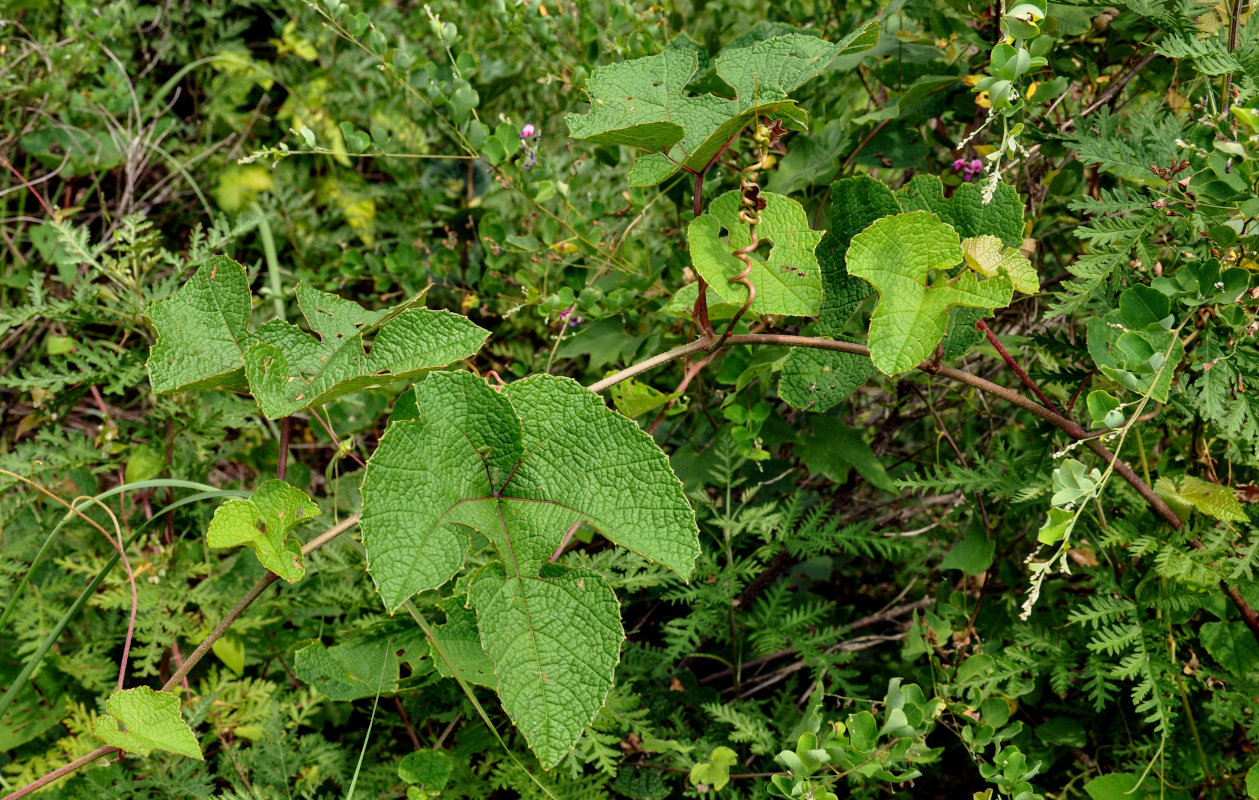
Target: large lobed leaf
<point>523,466</point>
<point>204,342</point>
<point>897,254</point>
<point>643,103</point>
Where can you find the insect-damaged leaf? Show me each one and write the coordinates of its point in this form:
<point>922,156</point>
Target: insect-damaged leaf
<point>787,281</point>
<point>265,522</point>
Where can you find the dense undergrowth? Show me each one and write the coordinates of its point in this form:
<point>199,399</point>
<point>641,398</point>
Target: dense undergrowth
<point>629,401</point>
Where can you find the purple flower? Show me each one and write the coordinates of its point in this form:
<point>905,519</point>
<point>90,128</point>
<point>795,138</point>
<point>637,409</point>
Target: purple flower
<point>526,132</point>
<point>969,169</point>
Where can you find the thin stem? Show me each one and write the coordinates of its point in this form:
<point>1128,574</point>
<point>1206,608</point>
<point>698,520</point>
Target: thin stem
<point>61,772</point>
<point>1014,365</point>
<point>282,458</point>
<point>1067,426</point>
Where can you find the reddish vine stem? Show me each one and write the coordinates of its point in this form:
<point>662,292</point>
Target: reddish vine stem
<point>700,314</point>
<point>38,197</point>
<point>1067,426</point>
<point>282,459</point>
<point>1076,395</point>
<point>1014,365</point>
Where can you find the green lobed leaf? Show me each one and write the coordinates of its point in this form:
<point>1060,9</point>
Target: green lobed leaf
<point>203,342</point>
<point>264,522</point>
<point>202,330</point>
<point>1232,645</point>
<point>972,554</point>
<point>818,380</point>
<point>141,720</point>
<point>459,641</point>
<point>897,255</point>
<point>966,210</point>
<point>834,447</point>
<point>787,281</point>
<point>642,103</point>
<point>522,467</point>
<point>427,769</point>
<point>289,369</point>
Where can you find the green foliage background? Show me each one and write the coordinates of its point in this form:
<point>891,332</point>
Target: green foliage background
<point>906,587</point>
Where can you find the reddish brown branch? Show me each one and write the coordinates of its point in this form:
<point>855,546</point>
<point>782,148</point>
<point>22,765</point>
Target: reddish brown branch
<point>1067,426</point>
<point>1014,365</point>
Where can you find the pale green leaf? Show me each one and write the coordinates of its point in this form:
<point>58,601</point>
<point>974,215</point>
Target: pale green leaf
<point>202,330</point>
<point>643,103</point>
<point>897,254</point>
<point>265,522</point>
<point>141,720</point>
<point>715,772</point>
<point>1143,361</point>
<point>355,349</point>
<point>634,398</point>
<point>1211,499</point>
<point>787,281</point>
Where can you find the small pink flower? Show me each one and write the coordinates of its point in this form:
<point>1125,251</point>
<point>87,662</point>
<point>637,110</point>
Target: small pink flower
<point>527,131</point>
<point>969,169</point>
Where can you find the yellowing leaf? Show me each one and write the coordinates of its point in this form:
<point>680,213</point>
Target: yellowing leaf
<point>238,186</point>
<point>359,211</point>
<point>1211,499</point>
<point>987,256</point>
